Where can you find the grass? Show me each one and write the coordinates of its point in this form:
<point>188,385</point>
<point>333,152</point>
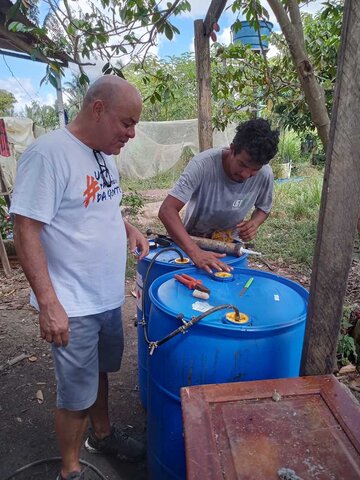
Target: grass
<point>289,234</point>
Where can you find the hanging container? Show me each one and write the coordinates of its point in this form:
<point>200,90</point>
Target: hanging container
<point>247,35</point>
<point>167,260</point>
<point>264,342</point>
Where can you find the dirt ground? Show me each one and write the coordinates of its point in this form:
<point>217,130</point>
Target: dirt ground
<point>27,387</point>
<point>27,432</point>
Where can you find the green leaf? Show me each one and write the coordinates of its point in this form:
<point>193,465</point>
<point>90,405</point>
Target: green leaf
<point>19,27</point>
<point>84,79</point>
<point>168,31</point>
<point>11,13</point>
<point>105,67</point>
<point>70,29</point>
<point>156,17</point>
<point>53,81</point>
<point>44,79</point>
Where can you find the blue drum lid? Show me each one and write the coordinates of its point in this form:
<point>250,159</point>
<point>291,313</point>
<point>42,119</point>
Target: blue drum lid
<point>270,302</point>
<point>170,256</point>
<point>167,256</point>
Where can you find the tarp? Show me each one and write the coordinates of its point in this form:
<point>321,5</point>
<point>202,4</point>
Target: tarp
<point>156,148</point>
<point>20,134</point>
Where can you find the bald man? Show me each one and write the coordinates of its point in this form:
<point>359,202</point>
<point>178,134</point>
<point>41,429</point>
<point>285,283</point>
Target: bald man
<point>71,241</point>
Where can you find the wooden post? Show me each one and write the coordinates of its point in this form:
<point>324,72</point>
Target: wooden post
<point>60,104</point>
<point>5,192</point>
<point>213,14</point>
<point>203,71</point>
<point>339,208</point>
<point>4,188</point>
<point>202,58</point>
<point>4,259</point>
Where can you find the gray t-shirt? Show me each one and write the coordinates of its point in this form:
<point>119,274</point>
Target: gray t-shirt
<point>215,202</point>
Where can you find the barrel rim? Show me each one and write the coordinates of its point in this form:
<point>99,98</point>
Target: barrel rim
<point>234,259</point>
<point>246,23</point>
<point>302,291</point>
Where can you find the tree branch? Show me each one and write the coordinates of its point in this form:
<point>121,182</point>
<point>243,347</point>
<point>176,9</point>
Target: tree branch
<point>294,12</point>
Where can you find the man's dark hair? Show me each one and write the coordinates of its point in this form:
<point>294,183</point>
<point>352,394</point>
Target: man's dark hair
<point>257,139</point>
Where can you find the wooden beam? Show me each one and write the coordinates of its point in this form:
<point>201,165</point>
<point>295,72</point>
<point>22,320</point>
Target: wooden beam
<point>202,58</point>
<point>4,188</point>
<point>339,208</point>
<point>213,14</point>
<point>4,259</point>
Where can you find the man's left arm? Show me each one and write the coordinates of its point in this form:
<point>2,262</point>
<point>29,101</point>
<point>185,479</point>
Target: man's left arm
<point>247,229</point>
<point>137,241</point>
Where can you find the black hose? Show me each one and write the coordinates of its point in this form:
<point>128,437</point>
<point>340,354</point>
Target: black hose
<point>186,325</point>
<point>183,328</point>
<point>55,459</point>
<point>144,320</point>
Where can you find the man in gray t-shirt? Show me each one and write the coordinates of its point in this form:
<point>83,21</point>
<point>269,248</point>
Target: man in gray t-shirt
<point>220,186</point>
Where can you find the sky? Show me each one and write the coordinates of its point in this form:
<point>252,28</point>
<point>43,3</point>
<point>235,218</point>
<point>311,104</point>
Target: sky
<point>22,77</point>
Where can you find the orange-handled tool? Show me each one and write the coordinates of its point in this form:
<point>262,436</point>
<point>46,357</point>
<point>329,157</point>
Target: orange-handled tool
<point>191,282</point>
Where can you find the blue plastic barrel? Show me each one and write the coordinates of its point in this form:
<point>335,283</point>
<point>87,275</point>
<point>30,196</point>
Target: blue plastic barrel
<point>216,350</point>
<point>247,35</point>
<point>164,263</point>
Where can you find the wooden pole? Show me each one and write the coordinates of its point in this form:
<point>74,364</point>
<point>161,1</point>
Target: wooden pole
<point>60,102</point>
<point>203,30</point>
<point>4,191</point>
<point>202,58</point>
<point>4,188</point>
<point>339,207</point>
<point>4,259</point>
<point>213,14</point>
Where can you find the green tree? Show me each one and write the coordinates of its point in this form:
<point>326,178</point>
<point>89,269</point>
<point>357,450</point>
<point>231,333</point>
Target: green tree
<point>7,102</point>
<point>75,91</point>
<point>288,15</point>
<point>242,79</point>
<point>322,38</point>
<point>42,115</point>
<point>110,30</point>
<point>168,87</point>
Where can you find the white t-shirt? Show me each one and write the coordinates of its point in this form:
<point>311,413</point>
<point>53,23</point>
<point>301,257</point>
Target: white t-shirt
<point>58,183</point>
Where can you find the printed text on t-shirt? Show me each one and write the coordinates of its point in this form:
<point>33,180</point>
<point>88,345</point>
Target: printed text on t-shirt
<point>95,191</point>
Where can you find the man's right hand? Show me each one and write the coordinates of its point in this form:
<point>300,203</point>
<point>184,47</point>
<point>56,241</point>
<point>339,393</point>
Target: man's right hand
<point>54,324</point>
<point>210,261</point>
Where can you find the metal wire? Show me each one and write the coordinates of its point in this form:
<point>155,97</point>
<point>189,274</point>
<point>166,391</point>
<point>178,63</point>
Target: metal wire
<point>54,459</point>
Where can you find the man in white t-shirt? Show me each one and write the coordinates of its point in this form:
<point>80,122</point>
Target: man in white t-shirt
<point>220,186</point>
<point>71,241</point>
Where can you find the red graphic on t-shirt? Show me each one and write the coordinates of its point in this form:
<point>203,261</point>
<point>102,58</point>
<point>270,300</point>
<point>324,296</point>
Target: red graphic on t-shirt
<point>92,187</point>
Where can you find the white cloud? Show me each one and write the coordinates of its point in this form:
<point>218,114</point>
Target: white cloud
<point>273,51</point>
<point>309,7</point>
<point>224,36</point>
<point>48,98</point>
<point>192,45</point>
<point>25,92</point>
<point>198,8</point>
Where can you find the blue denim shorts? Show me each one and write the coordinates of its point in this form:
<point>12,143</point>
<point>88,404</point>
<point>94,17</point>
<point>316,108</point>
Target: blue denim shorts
<point>96,344</point>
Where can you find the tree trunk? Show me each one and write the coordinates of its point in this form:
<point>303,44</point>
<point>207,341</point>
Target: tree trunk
<point>313,91</point>
<point>339,209</point>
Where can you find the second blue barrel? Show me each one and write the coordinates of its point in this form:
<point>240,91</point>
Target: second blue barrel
<point>264,342</point>
<point>166,261</point>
